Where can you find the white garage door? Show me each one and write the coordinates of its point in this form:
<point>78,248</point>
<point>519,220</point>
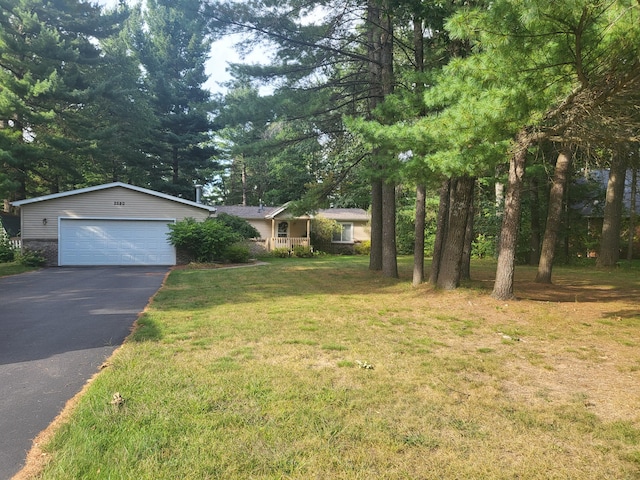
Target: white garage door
<point>114,242</point>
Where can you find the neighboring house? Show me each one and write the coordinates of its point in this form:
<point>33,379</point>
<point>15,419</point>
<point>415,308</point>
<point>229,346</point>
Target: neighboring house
<point>10,228</point>
<point>111,224</point>
<point>591,205</point>
<point>279,229</point>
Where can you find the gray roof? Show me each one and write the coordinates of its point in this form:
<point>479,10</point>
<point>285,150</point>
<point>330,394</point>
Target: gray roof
<point>248,213</point>
<point>10,223</point>
<point>105,186</point>
<point>257,213</point>
<point>345,214</point>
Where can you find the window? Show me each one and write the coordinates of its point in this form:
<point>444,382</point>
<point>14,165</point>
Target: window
<point>283,229</point>
<point>345,235</point>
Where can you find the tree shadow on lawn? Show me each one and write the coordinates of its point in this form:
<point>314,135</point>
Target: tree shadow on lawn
<point>340,279</point>
<point>145,329</point>
<point>579,293</point>
<point>573,286</point>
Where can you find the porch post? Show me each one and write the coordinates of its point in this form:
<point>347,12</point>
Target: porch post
<point>273,232</point>
<point>308,232</point>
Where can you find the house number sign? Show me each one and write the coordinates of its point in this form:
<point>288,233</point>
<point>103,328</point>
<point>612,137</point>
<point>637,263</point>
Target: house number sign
<point>118,203</point>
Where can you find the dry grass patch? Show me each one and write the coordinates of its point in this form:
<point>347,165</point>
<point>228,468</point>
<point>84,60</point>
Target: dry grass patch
<point>321,369</point>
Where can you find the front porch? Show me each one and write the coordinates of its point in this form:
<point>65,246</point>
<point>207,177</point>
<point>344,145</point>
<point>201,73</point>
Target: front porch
<point>286,242</point>
<point>289,233</point>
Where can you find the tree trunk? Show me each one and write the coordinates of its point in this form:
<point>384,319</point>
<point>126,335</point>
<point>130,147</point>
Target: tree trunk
<point>421,189</point>
<point>389,253</point>
<point>499,204</point>
<point>632,213</point>
<point>375,257</point>
<point>418,248</point>
<point>554,216</point>
<point>465,268</point>
<point>243,178</point>
<point>610,240</point>
<point>175,165</point>
<point>503,285</point>
<point>380,55</point>
<point>451,261</point>
<point>389,250</point>
<point>375,97</point>
<point>441,231</point>
<point>534,241</point>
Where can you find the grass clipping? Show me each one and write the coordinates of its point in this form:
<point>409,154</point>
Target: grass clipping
<point>319,368</point>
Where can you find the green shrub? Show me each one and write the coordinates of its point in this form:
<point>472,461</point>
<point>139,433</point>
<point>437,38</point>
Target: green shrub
<point>7,252</point>
<point>362,248</point>
<point>302,251</point>
<point>205,241</point>
<point>483,246</point>
<point>322,230</point>
<point>405,230</point>
<point>237,253</point>
<point>238,225</point>
<point>31,258</point>
<point>281,252</point>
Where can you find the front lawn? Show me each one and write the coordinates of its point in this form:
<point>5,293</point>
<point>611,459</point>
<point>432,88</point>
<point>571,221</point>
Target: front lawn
<point>320,369</point>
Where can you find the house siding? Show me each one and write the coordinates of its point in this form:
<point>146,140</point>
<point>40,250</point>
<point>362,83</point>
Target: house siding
<point>261,218</point>
<point>361,231</point>
<point>116,202</point>
<point>263,228</point>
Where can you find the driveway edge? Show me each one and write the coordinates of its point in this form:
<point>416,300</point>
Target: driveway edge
<point>37,459</point>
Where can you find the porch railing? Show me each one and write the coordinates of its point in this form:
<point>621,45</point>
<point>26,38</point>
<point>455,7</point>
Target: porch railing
<point>287,242</point>
<point>15,243</point>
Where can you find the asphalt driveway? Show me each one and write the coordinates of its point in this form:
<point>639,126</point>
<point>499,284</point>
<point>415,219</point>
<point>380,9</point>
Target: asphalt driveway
<point>57,326</point>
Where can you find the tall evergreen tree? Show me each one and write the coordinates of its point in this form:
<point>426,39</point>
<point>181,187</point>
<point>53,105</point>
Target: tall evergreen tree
<point>323,63</point>
<point>119,119</point>
<point>538,70</point>
<point>47,51</point>
<point>172,44</point>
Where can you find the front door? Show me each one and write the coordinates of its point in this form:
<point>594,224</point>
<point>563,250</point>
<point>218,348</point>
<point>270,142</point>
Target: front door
<point>283,229</point>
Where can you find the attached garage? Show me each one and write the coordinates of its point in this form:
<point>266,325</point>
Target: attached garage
<point>114,242</point>
<point>111,224</point>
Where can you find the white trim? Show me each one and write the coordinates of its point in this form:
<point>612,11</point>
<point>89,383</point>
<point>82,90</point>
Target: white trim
<point>113,185</point>
<point>342,224</point>
<point>278,211</point>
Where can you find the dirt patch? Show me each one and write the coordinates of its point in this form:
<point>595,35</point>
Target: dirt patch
<point>576,342</point>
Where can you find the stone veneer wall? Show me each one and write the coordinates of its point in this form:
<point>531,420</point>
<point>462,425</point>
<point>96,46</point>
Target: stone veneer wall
<point>257,247</point>
<point>183,257</point>
<point>48,248</point>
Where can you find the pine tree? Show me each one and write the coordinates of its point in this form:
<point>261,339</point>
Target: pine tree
<point>46,54</point>
<point>172,44</point>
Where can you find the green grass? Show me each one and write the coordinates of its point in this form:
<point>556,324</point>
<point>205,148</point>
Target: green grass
<point>14,268</point>
<point>319,368</point>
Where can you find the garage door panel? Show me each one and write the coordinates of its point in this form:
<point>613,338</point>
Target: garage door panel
<point>115,242</point>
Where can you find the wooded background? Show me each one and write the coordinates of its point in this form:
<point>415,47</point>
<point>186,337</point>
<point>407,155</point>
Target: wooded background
<point>492,128</point>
